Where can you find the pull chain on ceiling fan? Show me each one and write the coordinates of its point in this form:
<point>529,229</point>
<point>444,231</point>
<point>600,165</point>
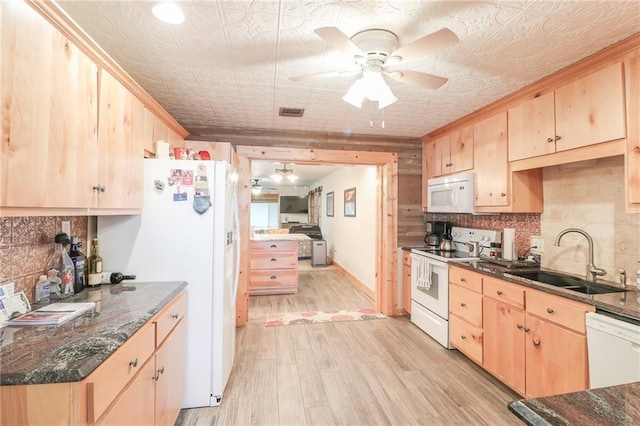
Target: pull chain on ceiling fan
<point>373,51</point>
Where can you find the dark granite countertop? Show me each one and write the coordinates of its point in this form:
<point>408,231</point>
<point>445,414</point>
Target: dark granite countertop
<point>623,303</point>
<point>614,405</point>
<point>71,351</point>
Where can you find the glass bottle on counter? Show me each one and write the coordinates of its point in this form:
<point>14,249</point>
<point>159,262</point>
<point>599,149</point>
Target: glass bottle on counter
<point>80,262</point>
<point>94,265</point>
<point>60,270</point>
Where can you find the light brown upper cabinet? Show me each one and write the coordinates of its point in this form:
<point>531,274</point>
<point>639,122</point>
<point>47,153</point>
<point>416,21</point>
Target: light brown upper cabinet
<point>490,161</point>
<point>49,115</point>
<point>587,111</point>
<point>120,159</point>
<point>451,153</point>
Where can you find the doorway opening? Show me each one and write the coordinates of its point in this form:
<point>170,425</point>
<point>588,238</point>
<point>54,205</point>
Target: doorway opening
<point>385,226</point>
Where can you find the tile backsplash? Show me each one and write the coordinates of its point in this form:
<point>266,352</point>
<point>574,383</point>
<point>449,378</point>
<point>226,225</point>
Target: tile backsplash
<point>26,243</point>
<point>526,225</point>
<point>590,195</point>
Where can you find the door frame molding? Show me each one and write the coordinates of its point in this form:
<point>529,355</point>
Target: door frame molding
<point>386,221</point>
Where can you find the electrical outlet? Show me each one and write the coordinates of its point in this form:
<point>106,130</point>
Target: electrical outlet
<point>66,227</point>
<point>539,243</point>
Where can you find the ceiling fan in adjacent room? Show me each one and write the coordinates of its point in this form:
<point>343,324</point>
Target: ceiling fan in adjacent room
<point>256,187</point>
<point>373,51</point>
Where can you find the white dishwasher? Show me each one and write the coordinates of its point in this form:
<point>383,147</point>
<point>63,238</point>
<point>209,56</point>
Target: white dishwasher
<point>613,344</point>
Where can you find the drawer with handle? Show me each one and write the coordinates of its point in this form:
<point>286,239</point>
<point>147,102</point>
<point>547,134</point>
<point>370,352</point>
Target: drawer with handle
<point>169,316</point>
<point>273,261</point>
<point>469,279</point>
<point>273,282</point>
<point>560,310</point>
<point>466,304</point>
<point>504,291</point>
<point>106,382</point>
<point>466,338</point>
<point>272,246</point>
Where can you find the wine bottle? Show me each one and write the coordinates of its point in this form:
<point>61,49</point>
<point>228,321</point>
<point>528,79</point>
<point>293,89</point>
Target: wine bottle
<point>80,262</point>
<point>94,265</point>
<point>118,277</point>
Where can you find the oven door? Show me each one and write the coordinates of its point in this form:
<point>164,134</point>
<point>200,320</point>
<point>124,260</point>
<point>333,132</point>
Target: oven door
<point>430,284</point>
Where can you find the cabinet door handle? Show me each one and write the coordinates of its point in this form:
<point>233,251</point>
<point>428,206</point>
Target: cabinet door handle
<point>161,370</point>
<point>273,246</point>
<point>549,140</point>
<point>99,188</point>
<point>536,342</point>
<point>463,304</point>
<point>519,326</point>
<point>174,316</point>
<point>527,329</point>
<point>549,310</point>
<point>502,194</point>
<point>155,377</point>
<point>134,362</point>
<point>499,292</point>
<point>273,277</point>
<point>463,280</point>
<point>558,138</point>
<point>463,337</point>
<point>273,259</point>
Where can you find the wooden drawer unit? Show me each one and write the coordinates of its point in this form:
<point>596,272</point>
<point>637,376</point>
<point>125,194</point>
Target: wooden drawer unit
<point>466,338</point>
<point>273,246</point>
<point>469,279</point>
<point>274,282</point>
<point>113,374</point>
<point>466,304</point>
<point>504,291</point>
<point>273,267</point>
<point>560,310</point>
<point>275,260</point>
<point>406,281</point>
<point>169,317</point>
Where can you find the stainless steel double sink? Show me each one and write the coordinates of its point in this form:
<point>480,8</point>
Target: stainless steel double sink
<point>567,282</point>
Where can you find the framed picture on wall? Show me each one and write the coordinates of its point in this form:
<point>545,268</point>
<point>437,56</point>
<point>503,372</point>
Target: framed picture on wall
<point>330,204</point>
<point>350,202</point>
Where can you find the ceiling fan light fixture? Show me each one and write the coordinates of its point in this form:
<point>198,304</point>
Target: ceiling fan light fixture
<point>371,86</point>
<point>168,12</point>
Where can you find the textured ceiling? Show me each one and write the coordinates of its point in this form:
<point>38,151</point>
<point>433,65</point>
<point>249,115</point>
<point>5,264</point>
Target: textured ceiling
<point>229,64</point>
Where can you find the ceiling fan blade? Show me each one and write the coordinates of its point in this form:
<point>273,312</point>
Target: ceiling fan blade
<point>427,45</point>
<point>322,75</point>
<point>420,79</point>
<point>339,40</point>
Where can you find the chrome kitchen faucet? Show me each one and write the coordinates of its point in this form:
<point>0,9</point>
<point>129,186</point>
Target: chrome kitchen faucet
<point>591,268</point>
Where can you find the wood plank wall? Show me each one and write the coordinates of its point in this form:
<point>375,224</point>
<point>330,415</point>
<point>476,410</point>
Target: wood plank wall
<point>410,227</point>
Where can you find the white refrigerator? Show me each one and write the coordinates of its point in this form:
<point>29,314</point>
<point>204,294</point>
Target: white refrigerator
<point>188,230</point>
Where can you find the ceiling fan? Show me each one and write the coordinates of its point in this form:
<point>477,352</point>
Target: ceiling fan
<point>373,51</point>
<point>256,188</point>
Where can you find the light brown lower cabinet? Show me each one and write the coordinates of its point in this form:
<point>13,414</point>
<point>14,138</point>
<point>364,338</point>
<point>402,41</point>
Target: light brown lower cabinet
<point>141,383</point>
<point>504,343</point>
<point>533,341</point>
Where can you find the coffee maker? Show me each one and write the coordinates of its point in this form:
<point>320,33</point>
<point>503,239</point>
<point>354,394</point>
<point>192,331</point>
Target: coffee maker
<point>435,231</point>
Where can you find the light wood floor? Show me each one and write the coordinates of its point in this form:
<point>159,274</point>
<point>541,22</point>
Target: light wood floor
<point>378,372</point>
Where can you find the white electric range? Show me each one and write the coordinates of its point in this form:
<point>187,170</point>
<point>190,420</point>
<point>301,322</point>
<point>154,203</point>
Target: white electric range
<point>430,280</point>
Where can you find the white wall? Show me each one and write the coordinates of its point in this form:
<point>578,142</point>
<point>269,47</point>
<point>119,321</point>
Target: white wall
<point>351,241</point>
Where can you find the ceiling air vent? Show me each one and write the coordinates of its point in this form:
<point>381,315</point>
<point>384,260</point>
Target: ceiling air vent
<point>291,112</point>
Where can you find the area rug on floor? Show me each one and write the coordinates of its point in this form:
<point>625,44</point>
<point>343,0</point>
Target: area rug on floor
<point>315,317</point>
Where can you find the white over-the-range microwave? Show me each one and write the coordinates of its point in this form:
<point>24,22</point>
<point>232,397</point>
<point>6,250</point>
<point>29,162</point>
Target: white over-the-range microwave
<point>450,194</point>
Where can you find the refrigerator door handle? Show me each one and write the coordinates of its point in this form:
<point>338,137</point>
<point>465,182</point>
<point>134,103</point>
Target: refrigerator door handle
<point>236,232</point>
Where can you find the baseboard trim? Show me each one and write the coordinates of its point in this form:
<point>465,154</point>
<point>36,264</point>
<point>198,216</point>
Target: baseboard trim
<point>354,281</point>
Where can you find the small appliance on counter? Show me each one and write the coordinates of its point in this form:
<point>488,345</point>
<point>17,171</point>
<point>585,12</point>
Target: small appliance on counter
<point>435,231</point>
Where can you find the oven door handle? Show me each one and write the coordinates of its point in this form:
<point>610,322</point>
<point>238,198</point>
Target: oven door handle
<point>428,277</point>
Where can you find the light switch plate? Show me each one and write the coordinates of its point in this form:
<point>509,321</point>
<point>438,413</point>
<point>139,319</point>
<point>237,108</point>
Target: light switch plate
<point>66,227</point>
<point>539,243</point>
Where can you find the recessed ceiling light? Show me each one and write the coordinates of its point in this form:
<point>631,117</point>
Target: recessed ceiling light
<point>168,12</point>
